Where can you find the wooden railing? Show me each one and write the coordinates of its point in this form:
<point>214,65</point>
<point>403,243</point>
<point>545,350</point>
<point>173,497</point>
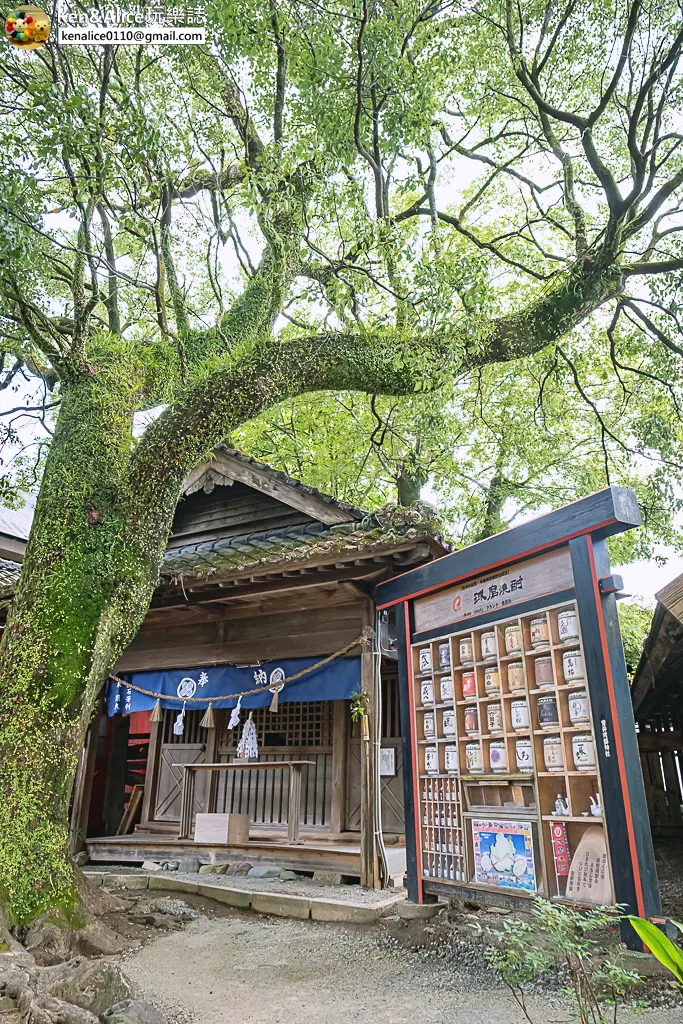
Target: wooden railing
<point>263,794</point>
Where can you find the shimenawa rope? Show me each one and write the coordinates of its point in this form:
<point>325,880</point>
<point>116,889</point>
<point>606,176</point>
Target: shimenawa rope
<point>365,638</point>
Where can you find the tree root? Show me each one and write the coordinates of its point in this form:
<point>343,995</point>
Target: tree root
<point>38,1007</point>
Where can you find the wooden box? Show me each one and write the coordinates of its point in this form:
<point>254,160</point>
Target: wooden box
<point>226,829</point>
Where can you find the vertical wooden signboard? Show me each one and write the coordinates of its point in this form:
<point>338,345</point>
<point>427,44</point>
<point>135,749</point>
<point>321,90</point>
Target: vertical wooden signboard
<point>521,766</point>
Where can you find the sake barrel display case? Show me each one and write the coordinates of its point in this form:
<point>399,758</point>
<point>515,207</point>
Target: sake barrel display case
<point>506,711</point>
<point>521,765</point>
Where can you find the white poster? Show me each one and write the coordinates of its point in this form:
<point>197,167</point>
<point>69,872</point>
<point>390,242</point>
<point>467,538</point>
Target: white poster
<point>387,760</point>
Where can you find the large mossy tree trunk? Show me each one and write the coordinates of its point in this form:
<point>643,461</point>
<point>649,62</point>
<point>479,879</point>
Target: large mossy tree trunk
<point>84,588</point>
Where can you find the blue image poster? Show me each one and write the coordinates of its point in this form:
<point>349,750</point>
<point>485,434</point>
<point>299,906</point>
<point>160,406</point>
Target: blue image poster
<point>504,854</point>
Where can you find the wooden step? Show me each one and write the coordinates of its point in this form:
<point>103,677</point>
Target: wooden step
<point>343,858</point>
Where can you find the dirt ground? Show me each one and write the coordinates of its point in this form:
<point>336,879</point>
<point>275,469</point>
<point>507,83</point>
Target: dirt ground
<point>244,967</point>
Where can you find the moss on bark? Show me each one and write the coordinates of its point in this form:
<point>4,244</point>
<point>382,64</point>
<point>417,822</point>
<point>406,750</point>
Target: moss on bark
<point>80,599</point>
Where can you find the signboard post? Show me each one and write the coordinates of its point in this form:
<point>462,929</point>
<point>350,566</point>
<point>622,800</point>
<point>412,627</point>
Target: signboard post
<point>521,765</point>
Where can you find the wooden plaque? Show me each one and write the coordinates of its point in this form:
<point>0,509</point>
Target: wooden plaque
<point>589,880</point>
<point>536,577</point>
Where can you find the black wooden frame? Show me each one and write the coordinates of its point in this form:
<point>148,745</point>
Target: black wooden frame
<point>584,527</point>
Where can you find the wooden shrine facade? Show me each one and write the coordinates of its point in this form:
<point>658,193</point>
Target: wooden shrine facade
<point>260,567</point>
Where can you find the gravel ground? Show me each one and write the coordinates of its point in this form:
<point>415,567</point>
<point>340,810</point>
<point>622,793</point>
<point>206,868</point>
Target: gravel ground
<point>278,971</point>
<point>669,854</point>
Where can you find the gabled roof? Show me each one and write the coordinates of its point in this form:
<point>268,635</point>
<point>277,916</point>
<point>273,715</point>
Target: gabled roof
<point>338,531</point>
<point>228,465</point>
<point>659,673</point>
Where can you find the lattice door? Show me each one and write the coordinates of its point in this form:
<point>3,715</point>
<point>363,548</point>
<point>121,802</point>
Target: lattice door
<point>177,750</point>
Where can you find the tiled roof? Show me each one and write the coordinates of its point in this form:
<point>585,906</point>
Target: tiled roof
<point>9,574</point>
<point>251,546</point>
<point>277,550</point>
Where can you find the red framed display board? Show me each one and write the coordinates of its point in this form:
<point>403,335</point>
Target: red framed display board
<point>521,765</point>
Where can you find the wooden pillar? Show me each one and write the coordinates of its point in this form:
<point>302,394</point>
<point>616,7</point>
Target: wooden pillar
<point>156,735</point>
<point>340,749</point>
<point>369,860</point>
<point>294,803</point>
<point>210,791</point>
<point>80,810</point>
<point>187,801</point>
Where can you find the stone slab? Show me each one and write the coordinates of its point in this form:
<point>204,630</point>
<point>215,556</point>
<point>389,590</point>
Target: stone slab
<point>190,865</point>
<point>281,906</point>
<point>344,913</point>
<point>418,911</point>
<point>171,884</point>
<point>232,897</point>
<point>94,877</point>
<point>137,882</point>
<point>327,878</point>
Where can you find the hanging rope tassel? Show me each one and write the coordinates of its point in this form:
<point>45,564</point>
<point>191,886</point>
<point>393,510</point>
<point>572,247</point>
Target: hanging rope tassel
<point>179,726</point>
<point>274,702</point>
<point>248,745</point>
<point>235,716</point>
<point>209,719</point>
<point>157,715</point>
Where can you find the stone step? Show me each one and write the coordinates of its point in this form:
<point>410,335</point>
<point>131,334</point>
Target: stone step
<point>278,904</point>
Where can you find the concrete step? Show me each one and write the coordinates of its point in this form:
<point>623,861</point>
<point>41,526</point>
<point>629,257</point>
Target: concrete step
<point>279,904</point>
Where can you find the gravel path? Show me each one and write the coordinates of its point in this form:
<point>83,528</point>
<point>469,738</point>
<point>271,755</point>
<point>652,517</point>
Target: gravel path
<point>277,971</point>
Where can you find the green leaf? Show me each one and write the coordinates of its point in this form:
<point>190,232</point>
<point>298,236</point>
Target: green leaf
<point>661,947</point>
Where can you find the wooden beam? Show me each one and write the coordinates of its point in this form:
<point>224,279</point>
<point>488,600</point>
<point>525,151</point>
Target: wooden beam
<point>261,480</point>
<point>253,606</point>
<point>656,742</point>
<point>176,599</point>
<point>80,811</point>
<point>340,741</point>
<point>245,653</point>
<point>369,859</point>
